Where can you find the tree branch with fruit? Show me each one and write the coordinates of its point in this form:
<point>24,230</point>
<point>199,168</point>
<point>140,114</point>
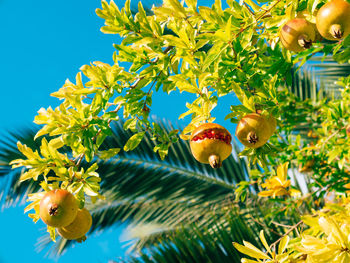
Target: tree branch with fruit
<point>245,50</point>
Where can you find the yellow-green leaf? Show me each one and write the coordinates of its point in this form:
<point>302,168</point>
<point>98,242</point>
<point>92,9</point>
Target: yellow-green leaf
<point>52,231</point>
<point>134,141</point>
<point>108,154</point>
<point>31,174</point>
<point>250,250</point>
<point>283,244</point>
<point>263,240</point>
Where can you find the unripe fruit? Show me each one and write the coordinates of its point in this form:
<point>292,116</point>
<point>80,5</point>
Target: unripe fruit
<point>297,34</point>
<point>333,20</point>
<point>79,227</point>
<point>211,143</point>
<point>254,130</point>
<point>58,208</point>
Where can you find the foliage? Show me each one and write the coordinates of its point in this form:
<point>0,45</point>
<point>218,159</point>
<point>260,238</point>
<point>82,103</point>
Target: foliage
<point>209,52</point>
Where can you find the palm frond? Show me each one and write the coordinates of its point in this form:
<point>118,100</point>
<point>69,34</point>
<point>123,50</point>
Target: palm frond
<point>317,78</point>
<point>208,243</point>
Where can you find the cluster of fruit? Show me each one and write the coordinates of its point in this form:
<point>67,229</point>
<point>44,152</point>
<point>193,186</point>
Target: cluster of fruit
<point>59,208</point>
<point>211,143</point>
<point>332,23</point>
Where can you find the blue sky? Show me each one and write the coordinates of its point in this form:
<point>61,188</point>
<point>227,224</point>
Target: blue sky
<point>44,43</point>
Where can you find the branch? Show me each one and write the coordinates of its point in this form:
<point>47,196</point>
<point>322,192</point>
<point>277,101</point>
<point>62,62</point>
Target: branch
<point>149,91</point>
<point>81,157</point>
<point>261,16</point>
<point>333,134</point>
<point>265,226</point>
<point>290,230</point>
<point>249,9</point>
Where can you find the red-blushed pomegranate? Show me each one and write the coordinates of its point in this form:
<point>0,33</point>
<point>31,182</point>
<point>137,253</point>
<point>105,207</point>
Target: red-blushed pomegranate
<point>333,20</point>
<point>297,34</point>
<point>79,227</point>
<point>211,143</point>
<point>254,130</point>
<point>58,208</point>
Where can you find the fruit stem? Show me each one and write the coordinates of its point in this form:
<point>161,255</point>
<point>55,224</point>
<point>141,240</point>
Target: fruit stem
<point>81,239</point>
<point>252,137</point>
<point>336,31</point>
<point>304,41</point>
<point>214,161</point>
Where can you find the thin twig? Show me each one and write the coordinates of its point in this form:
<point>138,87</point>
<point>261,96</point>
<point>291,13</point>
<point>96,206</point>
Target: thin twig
<point>136,82</point>
<point>263,14</point>
<point>153,62</point>
<point>249,9</point>
<point>279,224</point>
<point>265,226</point>
<point>332,135</point>
<point>149,91</point>
<point>186,19</point>
<point>81,157</point>
<point>290,230</point>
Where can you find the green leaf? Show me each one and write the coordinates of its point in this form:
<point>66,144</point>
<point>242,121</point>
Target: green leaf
<point>213,54</point>
<point>183,84</point>
<point>130,124</point>
<point>134,141</point>
<point>333,154</point>
<point>108,154</point>
<point>178,7</point>
<point>89,190</point>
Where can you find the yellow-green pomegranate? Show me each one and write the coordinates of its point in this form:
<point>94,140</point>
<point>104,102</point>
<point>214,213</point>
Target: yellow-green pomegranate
<point>333,20</point>
<point>211,143</point>
<point>58,208</point>
<point>79,227</point>
<point>254,130</point>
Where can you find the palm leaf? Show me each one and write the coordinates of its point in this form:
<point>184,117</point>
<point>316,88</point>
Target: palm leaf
<point>211,242</point>
<point>317,78</point>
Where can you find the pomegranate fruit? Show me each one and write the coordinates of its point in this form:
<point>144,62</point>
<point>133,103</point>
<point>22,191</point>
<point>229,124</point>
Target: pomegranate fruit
<point>211,143</point>
<point>79,227</point>
<point>297,34</point>
<point>254,130</point>
<point>333,20</point>
<point>58,208</point>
